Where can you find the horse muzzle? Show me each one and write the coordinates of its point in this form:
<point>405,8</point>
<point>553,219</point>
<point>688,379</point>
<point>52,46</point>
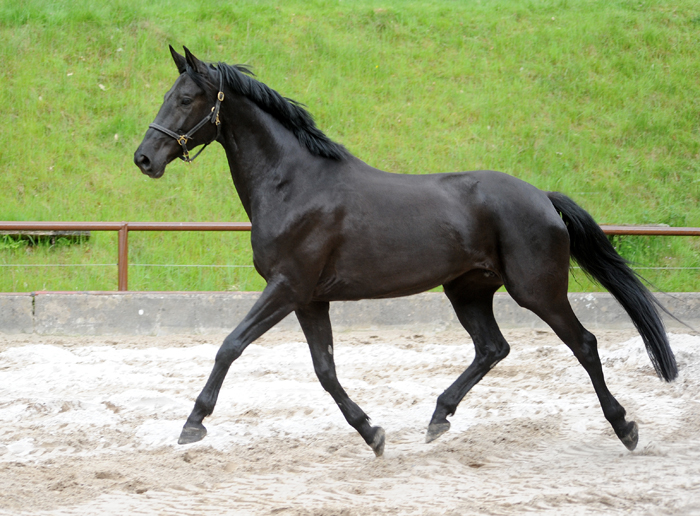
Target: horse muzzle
<point>147,165</point>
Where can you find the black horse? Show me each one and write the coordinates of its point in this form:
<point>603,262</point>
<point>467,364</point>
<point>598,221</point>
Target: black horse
<point>327,227</point>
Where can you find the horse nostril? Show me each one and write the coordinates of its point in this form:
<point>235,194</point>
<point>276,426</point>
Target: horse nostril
<point>142,161</point>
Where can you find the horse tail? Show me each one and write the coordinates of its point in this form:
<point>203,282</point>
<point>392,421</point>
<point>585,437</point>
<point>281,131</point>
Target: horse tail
<point>592,250</point>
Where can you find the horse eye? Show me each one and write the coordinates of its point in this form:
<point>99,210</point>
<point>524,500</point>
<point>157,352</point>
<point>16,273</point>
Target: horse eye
<point>186,101</point>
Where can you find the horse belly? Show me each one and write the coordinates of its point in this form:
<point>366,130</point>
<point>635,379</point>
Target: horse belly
<point>390,266</point>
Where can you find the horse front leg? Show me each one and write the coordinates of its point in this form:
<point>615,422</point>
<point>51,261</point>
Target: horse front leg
<point>316,325</point>
<point>274,304</point>
<point>473,304</point>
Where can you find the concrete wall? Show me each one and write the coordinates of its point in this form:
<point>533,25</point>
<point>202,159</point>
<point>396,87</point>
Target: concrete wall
<point>164,313</point>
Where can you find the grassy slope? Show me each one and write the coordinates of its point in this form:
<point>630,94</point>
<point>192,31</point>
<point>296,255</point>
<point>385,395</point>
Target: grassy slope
<point>598,99</point>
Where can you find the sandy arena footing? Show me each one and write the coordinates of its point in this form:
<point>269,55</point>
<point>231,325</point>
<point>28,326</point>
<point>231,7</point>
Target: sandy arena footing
<point>90,424</point>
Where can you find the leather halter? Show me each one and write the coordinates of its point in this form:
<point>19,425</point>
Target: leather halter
<point>213,117</point>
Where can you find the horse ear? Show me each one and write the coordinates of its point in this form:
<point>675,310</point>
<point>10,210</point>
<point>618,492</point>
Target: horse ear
<point>179,60</point>
<point>195,63</point>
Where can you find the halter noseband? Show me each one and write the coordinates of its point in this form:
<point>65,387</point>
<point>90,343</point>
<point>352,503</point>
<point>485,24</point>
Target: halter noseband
<point>213,117</point>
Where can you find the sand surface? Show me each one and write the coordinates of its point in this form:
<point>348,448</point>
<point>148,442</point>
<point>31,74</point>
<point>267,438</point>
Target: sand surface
<point>88,425</point>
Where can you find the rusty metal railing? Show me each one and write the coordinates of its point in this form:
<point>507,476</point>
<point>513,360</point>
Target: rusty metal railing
<point>123,229</point>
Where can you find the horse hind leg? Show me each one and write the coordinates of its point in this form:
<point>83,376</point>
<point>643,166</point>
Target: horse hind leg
<point>473,304</point>
<point>316,325</point>
<point>556,311</point>
<point>536,275</point>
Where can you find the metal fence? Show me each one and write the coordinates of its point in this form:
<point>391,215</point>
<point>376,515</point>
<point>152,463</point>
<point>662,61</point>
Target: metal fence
<point>123,229</point>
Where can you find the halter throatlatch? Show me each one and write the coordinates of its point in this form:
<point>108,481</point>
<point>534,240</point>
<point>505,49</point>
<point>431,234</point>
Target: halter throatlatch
<point>213,117</point>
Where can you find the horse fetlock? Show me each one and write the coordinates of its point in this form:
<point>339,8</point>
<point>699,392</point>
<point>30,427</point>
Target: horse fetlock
<point>355,417</point>
<point>203,407</point>
<point>615,414</point>
<point>445,407</point>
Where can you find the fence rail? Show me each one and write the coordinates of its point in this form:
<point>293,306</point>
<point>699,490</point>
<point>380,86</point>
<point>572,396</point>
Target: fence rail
<point>123,229</point>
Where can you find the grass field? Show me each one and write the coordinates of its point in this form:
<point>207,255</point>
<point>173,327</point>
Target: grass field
<point>597,99</point>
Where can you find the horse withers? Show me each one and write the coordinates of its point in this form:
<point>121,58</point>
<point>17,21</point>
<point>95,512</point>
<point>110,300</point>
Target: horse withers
<point>328,227</point>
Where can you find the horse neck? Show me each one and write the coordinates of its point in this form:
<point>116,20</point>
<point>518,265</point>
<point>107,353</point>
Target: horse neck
<point>261,153</point>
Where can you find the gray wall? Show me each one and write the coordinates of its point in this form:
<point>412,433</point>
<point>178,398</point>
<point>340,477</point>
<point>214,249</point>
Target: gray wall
<point>164,313</point>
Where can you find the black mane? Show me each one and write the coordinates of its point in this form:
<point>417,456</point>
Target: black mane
<point>290,113</point>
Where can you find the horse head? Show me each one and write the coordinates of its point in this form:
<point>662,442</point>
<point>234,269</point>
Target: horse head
<point>188,117</point>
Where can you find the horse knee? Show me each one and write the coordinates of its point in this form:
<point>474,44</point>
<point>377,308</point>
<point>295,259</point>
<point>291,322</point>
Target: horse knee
<point>326,376</point>
<point>325,372</point>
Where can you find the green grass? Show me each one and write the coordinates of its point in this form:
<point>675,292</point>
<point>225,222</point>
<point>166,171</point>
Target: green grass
<point>597,99</point>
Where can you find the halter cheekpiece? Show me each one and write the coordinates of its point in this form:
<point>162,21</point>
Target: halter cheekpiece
<point>213,117</point>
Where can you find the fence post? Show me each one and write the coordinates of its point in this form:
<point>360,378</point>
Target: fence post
<point>123,258</point>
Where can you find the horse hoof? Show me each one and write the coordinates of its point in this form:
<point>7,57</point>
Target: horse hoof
<point>632,437</point>
<point>378,441</point>
<point>192,434</point>
<point>435,430</point>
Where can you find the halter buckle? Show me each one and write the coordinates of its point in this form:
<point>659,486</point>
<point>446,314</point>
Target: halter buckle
<point>182,139</point>
<point>220,96</point>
